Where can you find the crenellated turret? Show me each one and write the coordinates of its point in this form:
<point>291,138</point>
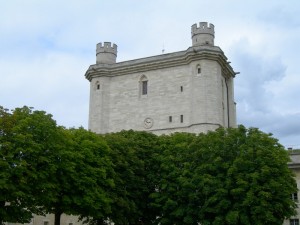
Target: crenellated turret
<point>204,34</point>
<point>106,53</point>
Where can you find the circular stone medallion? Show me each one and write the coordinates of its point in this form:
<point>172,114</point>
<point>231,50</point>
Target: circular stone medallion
<point>148,123</point>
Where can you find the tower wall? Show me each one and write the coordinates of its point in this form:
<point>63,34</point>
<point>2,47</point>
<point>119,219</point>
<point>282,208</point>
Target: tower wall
<point>206,99</point>
<point>99,105</point>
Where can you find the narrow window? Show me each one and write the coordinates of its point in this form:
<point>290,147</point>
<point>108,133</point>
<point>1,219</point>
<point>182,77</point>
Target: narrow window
<point>46,222</point>
<point>294,221</point>
<point>181,118</point>
<point>97,85</point>
<point>199,70</point>
<point>143,83</point>
<point>181,88</point>
<point>144,87</point>
<point>170,119</point>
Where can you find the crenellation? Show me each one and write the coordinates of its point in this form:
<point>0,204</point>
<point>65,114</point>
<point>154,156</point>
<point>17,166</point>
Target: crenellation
<point>107,47</point>
<point>203,28</point>
<point>203,34</point>
<point>106,53</point>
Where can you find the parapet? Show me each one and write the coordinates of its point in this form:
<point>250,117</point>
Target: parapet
<point>204,28</point>
<point>106,53</point>
<point>203,34</point>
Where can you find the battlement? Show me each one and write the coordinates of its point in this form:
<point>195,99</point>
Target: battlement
<point>107,47</point>
<point>203,34</point>
<point>106,53</point>
<point>204,28</point>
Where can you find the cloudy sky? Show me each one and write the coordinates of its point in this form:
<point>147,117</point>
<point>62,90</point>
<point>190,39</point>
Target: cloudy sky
<point>46,46</point>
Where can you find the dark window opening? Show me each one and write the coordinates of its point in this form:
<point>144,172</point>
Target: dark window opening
<point>181,118</point>
<point>144,87</point>
<point>295,196</point>
<point>170,119</point>
<point>199,70</point>
<point>294,221</point>
<point>98,86</point>
<point>181,88</point>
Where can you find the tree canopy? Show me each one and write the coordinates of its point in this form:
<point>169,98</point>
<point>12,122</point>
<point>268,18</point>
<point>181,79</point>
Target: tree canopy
<point>227,176</point>
<point>26,137</point>
<point>49,169</point>
<point>234,176</point>
<point>134,155</point>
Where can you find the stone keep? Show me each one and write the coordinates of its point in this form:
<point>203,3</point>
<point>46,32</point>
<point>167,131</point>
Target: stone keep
<point>186,91</point>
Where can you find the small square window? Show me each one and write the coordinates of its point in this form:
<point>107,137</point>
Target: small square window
<point>295,196</point>
<point>46,222</point>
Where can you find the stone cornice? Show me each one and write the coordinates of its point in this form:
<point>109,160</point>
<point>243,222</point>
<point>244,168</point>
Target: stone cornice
<point>161,62</point>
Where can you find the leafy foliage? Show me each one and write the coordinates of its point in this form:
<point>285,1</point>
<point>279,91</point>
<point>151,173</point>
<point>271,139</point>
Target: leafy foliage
<point>229,176</point>
<point>225,177</point>
<point>134,157</point>
<point>50,169</point>
<point>26,137</point>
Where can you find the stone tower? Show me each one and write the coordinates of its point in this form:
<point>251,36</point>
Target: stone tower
<point>186,91</point>
<point>106,53</point>
<point>203,34</point>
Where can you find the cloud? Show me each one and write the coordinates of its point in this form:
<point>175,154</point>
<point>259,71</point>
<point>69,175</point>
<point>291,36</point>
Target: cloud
<point>260,101</point>
<point>47,46</point>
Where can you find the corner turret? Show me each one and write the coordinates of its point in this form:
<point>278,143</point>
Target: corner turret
<point>106,53</point>
<point>203,35</point>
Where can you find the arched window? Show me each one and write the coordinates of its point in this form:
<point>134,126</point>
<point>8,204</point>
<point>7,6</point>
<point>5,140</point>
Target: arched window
<point>143,85</point>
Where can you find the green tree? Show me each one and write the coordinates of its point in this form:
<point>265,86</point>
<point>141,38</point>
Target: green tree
<point>175,196</point>
<point>82,177</point>
<point>23,134</point>
<point>230,176</point>
<point>247,180</point>
<point>134,156</point>
<point>49,169</point>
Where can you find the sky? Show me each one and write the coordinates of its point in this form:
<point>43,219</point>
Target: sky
<point>46,46</point>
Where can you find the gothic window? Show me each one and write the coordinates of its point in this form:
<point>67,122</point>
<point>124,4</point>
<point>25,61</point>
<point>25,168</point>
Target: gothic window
<point>144,85</point>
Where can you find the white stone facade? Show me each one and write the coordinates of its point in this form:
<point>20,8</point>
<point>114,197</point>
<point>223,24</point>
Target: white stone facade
<point>186,91</point>
<point>294,165</point>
